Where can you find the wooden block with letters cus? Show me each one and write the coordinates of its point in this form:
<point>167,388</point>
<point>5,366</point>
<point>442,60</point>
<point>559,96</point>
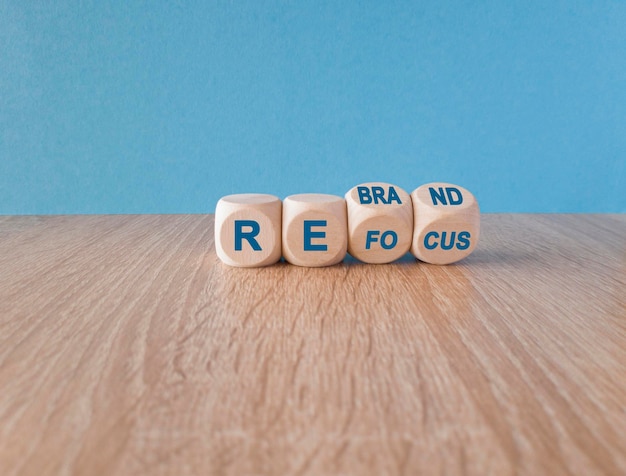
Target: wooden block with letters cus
<point>447,223</point>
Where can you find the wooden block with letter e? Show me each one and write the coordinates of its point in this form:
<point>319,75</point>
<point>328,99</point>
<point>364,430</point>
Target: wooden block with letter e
<point>248,229</point>
<point>314,229</point>
<point>380,222</point>
<point>447,223</point>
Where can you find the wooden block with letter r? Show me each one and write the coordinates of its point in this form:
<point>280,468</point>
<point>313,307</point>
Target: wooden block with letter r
<point>314,229</point>
<point>447,223</point>
<point>380,222</point>
<point>248,229</point>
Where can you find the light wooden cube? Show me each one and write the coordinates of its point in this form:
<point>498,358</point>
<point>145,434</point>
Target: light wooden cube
<point>447,223</point>
<point>380,222</point>
<point>315,229</point>
<point>248,229</point>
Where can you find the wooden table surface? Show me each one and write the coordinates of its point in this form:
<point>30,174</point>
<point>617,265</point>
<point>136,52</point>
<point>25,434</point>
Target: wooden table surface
<point>126,347</point>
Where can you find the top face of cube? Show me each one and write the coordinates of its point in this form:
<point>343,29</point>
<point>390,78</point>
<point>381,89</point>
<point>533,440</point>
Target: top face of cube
<point>444,197</point>
<point>376,194</point>
<point>314,198</point>
<point>249,199</point>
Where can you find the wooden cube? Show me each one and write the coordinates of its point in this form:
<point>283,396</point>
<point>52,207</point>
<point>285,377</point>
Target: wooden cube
<point>447,223</point>
<point>248,229</point>
<point>380,222</point>
<point>315,229</point>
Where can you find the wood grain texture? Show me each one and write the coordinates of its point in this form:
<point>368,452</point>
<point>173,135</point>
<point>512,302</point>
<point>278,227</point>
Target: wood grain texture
<point>126,347</point>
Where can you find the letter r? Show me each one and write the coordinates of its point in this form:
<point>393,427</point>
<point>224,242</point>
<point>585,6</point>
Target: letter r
<point>240,235</point>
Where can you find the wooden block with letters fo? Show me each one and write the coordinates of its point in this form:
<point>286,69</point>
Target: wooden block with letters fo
<point>380,222</point>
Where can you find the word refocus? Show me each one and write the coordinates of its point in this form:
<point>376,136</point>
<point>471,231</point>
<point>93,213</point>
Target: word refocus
<point>438,223</point>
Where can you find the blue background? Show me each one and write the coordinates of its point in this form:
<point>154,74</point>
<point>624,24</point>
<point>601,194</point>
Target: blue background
<point>159,107</point>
